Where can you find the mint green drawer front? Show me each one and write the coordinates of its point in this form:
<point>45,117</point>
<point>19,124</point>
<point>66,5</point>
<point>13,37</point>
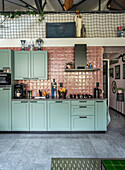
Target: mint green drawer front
<point>82,102</point>
<point>82,110</point>
<point>80,123</point>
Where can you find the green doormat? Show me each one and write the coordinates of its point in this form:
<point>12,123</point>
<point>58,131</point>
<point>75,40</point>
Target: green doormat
<point>113,164</point>
<point>75,164</point>
<point>87,164</point>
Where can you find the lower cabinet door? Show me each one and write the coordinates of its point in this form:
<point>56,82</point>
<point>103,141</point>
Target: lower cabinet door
<point>20,116</point>
<point>38,116</point>
<point>5,109</point>
<point>59,115</point>
<point>82,123</point>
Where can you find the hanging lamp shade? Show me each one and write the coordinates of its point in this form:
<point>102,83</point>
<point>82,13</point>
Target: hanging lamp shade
<point>68,4</point>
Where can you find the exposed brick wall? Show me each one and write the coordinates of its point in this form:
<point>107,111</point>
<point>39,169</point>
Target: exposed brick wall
<point>74,82</point>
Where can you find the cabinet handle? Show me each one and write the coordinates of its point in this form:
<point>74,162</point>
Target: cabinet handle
<point>58,101</point>
<point>26,78</point>
<point>35,78</point>
<point>82,106</point>
<point>82,101</point>
<point>83,117</point>
<point>6,89</point>
<point>99,101</point>
<point>33,101</point>
<point>24,101</point>
<point>6,68</point>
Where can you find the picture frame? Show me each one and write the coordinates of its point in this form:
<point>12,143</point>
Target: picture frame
<point>111,72</point>
<point>117,72</point>
<point>123,71</point>
<point>123,58</point>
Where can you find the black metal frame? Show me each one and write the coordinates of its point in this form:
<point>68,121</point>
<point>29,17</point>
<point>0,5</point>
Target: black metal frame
<point>116,3</point>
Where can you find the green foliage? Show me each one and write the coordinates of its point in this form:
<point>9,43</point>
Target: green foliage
<point>120,89</point>
<point>41,15</point>
<point>39,40</point>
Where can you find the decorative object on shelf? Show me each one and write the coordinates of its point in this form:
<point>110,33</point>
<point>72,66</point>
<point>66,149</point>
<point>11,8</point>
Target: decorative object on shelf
<point>114,61</point>
<point>111,72</point>
<point>120,94</point>
<point>54,89</point>
<point>83,31</point>
<point>31,45</point>
<point>114,86</point>
<point>62,91</point>
<point>117,72</point>
<point>78,24</point>
<point>39,41</point>
<point>123,71</point>
<point>120,32</point>
<point>47,96</point>
<point>123,57</point>
<point>23,44</point>
<point>90,66</point>
<point>69,65</point>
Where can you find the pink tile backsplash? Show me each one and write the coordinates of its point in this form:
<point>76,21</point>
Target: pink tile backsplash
<point>74,82</point>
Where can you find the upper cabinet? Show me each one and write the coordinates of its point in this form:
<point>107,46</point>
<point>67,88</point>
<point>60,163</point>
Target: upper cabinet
<point>31,65</point>
<point>5,59</point>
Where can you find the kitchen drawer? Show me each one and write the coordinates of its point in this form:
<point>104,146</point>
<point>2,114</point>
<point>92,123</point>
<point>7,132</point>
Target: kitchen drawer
<point>82,102</point>
<point>82,110</point>
<point>82,123</point>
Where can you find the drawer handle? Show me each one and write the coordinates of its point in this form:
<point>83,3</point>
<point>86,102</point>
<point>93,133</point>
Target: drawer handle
<point>33,101</point>
<point>82,101</point>
<point>82,106</point>
<point>24,101</point>
<point>99,101</point>
<point>35,78</point>
<point>83,117</point>
<point>58,101</point>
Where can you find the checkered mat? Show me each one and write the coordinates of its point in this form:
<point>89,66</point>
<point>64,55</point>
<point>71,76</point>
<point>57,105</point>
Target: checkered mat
<point>75,164</point>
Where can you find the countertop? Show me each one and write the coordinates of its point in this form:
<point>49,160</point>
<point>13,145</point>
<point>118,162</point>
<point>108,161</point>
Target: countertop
<point>15,99</point>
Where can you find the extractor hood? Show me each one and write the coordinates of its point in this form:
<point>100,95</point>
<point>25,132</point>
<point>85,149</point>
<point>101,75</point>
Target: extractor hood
<point>80,56</point>
<point>80,59</point>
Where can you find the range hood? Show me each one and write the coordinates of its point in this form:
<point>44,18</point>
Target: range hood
<point>80,56</point>
<point>80,59</point>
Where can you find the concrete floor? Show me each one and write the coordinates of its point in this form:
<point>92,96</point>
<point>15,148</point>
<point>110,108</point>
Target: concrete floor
<point>34,151</point>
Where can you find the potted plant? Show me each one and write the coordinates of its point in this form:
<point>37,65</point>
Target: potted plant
<point>120,94</point>
<point>39,41</point>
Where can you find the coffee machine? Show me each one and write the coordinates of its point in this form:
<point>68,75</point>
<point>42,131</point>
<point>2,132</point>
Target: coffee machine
<point>19,91</point>
<point>97,91</point>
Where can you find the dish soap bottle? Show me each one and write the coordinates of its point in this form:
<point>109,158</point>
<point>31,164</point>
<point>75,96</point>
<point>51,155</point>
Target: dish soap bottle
<point>54,89</point>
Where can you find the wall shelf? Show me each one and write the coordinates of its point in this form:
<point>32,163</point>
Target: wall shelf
<point>81,70</point>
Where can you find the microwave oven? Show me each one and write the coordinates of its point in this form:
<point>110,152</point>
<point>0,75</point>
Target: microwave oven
<point>5,77</point>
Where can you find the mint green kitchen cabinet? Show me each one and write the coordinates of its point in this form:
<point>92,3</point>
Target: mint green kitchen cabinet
<point>100,115</point>
<point>39,65</point>
<point>31,65</point>
<point>20,115</point>
<point>59,115</point>
<point>22,65</point>
<point>5,58</point>
<point>82,123</point>
<point>38,116</point>
<point>5,109</point>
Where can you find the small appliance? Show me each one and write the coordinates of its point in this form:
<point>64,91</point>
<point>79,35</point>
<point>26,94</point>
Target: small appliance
<point>5,78</point>
<point>97,91</point>
<point>19,91</point>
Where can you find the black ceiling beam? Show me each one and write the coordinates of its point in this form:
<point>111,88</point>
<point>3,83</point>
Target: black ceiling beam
<point>28,5</point>
<point>109,2</point>
<point>76,5</point>
<point>40,1</point>
<point>61,5</point>
<point>2,5</point>
<point>37,2</point>
<point>99,5</point>
<point>44,4</point>
<point>16,4</point>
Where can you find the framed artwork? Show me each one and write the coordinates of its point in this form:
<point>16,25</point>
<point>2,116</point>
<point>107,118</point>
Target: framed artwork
<point>114,86</point>
<point>111,72</point>
<point>123,58</point>
<point>123,71</point>
<point>117,72</point>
